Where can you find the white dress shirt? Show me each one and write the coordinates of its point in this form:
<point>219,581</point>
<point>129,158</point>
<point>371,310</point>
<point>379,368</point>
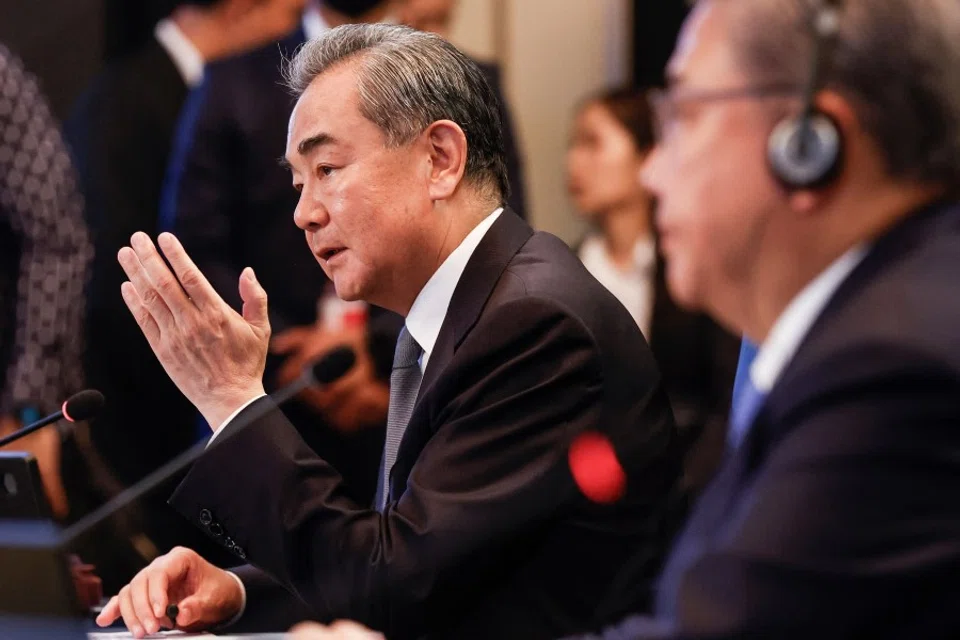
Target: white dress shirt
<point>185,56</point>
<point>794,323</point>
<point>430,308</point>
<point>633,286</point>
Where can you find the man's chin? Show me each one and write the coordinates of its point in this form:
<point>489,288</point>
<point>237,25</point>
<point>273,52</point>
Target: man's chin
<point>683,290</point>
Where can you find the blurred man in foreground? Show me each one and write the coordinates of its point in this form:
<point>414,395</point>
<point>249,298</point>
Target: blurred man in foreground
<point>832,242</point>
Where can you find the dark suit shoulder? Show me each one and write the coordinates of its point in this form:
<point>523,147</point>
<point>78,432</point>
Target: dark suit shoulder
<point>898,306</point>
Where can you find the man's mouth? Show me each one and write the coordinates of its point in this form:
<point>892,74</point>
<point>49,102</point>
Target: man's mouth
<point>327,254</point>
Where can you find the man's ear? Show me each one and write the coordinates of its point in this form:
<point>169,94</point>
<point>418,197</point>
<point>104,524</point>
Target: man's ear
<point>839,110</point>
<point>447,145</point>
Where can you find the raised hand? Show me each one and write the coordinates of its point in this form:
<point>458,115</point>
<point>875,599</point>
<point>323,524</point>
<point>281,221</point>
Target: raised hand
<point>214,355</point>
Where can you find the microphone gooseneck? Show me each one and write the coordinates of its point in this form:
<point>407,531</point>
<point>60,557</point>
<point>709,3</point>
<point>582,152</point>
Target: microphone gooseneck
<point>327,369</point>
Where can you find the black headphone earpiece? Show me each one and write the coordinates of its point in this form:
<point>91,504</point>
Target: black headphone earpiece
<point>806,151</point>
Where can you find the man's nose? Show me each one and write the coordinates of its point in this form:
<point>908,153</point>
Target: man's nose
<point>310,214</point>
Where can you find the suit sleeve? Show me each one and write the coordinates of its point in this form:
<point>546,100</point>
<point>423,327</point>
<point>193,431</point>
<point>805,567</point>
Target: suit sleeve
<point>846,519</point>
<point>494,468</point>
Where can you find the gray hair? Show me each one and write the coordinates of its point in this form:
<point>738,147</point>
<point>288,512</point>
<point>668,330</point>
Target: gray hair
<point>897,61</point>
<point>406,81</point>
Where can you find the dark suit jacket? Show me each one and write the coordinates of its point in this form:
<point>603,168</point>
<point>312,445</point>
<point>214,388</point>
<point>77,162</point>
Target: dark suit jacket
<point>489,537</point>
<point>120,133</point>
<point>838,517</point>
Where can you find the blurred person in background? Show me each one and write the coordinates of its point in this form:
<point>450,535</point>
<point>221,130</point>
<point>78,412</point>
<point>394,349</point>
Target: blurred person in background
<point>229,201</point>
<point>45,254</point>
<point>612,136</point>
<point>121,133</point>
<point>436,16</point>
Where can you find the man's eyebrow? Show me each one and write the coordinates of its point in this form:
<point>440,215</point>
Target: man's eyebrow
<point>306,146</point>
<point>309,144</point>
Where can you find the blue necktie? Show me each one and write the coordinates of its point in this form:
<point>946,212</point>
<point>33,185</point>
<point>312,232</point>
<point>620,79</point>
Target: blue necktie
<point>747,399</point>
<point>405,382</point>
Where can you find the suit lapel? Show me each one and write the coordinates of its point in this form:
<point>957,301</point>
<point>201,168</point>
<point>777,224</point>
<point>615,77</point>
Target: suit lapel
<point>480,276</point>
<point>477,282</point>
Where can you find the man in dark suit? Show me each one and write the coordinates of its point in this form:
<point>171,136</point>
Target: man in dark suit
<point>834,514</point>
<point>120,134</point>
<point>510,349</point>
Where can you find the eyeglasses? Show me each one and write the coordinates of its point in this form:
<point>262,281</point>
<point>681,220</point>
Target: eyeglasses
<point>666,104</point>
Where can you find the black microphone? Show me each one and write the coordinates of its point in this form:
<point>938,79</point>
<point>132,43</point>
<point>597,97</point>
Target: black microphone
<point>326,370</point>
<point>80,406</point>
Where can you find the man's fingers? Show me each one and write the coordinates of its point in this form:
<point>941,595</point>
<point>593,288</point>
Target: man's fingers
<point>142,607</point>
<point>129,614</point>
<point>158,583</point>
<point>159,275</point>
<point>254,301</point>
<point>194,282</point>
<point>110,612</point>
<point>149,295</point>
<point>140,313</point>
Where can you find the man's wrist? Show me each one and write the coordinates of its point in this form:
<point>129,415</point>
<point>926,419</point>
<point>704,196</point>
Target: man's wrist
<point>242,604</point>
<point>219,415</point>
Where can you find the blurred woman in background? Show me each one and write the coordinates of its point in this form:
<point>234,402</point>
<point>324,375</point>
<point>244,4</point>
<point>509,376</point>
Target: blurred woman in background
<point>611,137</point>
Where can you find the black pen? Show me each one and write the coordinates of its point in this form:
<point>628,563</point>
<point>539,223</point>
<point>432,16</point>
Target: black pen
<point>172,612</point>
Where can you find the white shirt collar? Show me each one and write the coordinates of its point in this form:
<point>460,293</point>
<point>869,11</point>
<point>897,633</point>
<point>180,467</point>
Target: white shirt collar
<point>594,249</point>
<point>430,308</point>
<point>792,326</point>
<point>185,56</point>
<point>314,25</point>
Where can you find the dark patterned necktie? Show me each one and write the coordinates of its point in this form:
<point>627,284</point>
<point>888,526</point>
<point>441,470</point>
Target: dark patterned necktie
<point>404,385</point>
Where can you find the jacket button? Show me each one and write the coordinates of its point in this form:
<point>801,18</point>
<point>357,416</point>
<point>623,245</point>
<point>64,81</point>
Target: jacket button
<point>240,552</point>
<point>216,529</point>
<point>205,517</point>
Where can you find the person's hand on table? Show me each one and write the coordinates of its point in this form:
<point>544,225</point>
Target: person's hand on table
<point>86,582</point>
<point>205,596</point>
<point>213,354</point>
<point>356,400</point>
<point>339,630</point>
<point>44,444</point>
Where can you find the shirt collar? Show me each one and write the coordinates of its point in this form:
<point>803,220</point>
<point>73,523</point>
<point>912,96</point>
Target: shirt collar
<point>430,308</point>
<point>644,252</point>
<point>184,54</point>
<point>794,323</point>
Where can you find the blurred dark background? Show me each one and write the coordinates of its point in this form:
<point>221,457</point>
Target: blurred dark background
<point>65,42</point>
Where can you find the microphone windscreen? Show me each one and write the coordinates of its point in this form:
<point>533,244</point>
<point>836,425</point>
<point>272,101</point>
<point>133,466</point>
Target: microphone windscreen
<point>83,405</point>
<point>333,365</point>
